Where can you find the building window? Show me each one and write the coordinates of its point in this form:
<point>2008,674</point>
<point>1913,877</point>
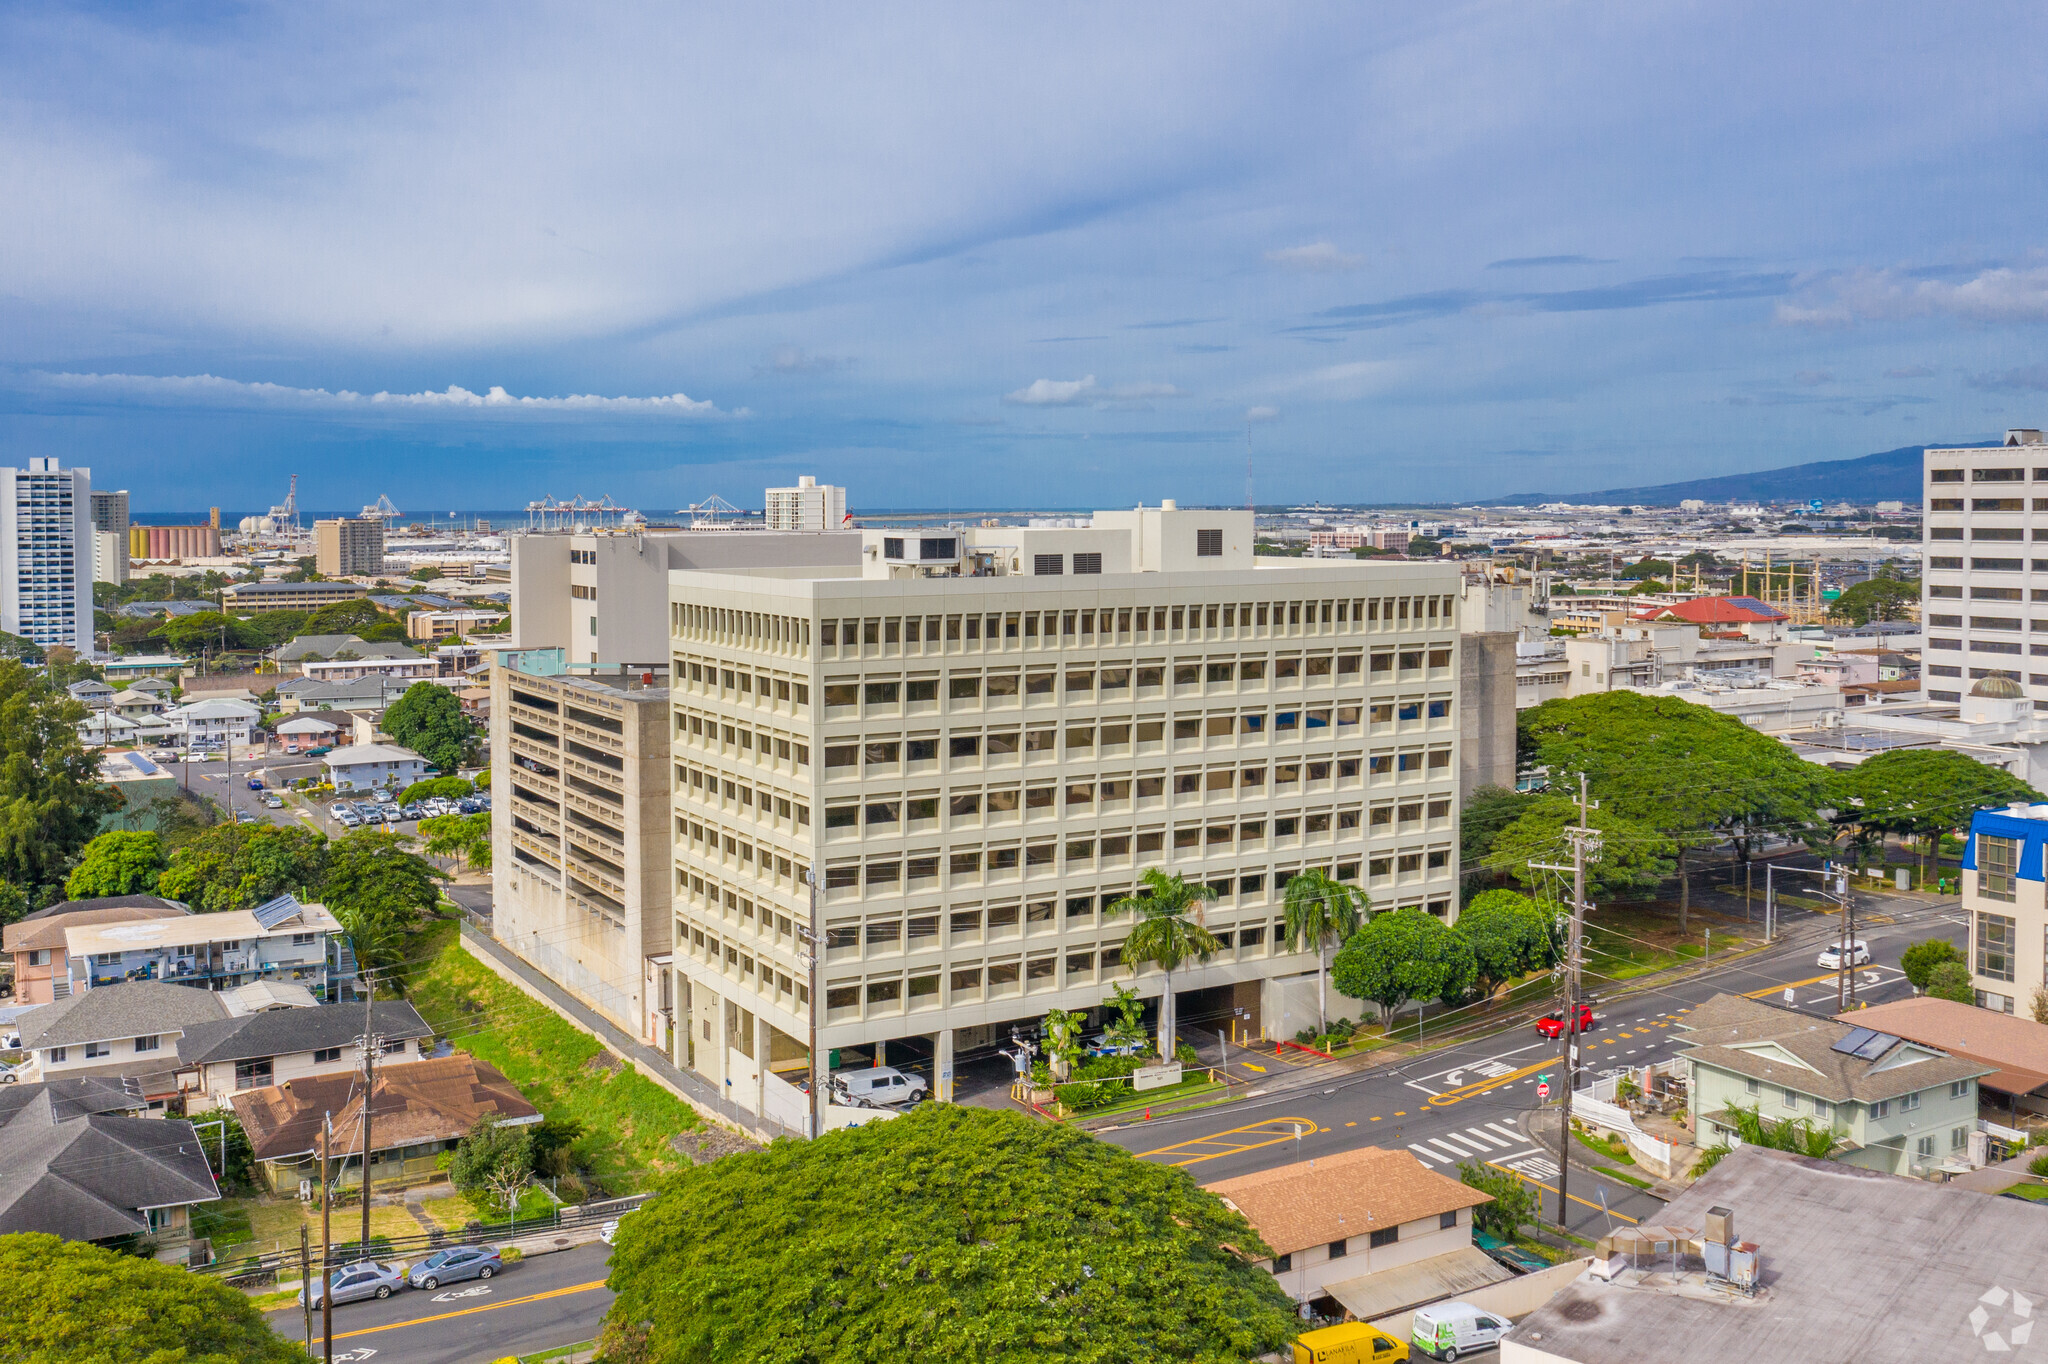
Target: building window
<point>1209,544</point>
<point>1385,1236</point>
<point>1048,565</point>
<point>146,1043</point>
<point>1088,564</point>
<point>95,1050</point>
<point>1447,1220</point>
<point>1998,862</point>
<point>1958,1138</point>
<point>1284,1263</point>
<point>323,1055</point>
<point>1994,946</point>
<point>1881,1109</point>
<point>1924,1148</point>
<point>1753,1086</point>
<point>1791,1098</point>
<point>1337,1249</point>
<point>57,1055</point>
<point>1908,1102</point>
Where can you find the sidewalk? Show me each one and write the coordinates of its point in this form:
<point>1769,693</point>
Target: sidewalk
<point>650,1062</point>
<point>1542,1124</point>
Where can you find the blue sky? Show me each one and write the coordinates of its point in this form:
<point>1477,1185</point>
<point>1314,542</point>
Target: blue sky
<point>999,255</point>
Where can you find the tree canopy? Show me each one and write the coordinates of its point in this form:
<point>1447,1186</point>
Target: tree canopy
<point>1634,858</point>
<point>1401,955</point>
<point>429,721</point>
<point>945,1233</point>
<point>239,866</point>
<point>1919,960</point>
<point>1884,597</point>
<point>343,618</point>
<point>1690,772</point>
<point>118,863</point>
<point>1510,936</point>
<point>1321,910</point>
<point>494,1159</point>
<point>378,889</point>
<point>1951,980</point>
<point>1921,792</point>
<point>70,1302</point>
<point>1486,812</point>
<point>51,798</point>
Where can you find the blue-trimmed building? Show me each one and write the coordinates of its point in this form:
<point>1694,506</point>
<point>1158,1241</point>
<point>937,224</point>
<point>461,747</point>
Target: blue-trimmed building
<point>2006,899</point>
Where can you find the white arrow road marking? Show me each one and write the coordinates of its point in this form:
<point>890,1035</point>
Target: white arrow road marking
<point>477,1292</point>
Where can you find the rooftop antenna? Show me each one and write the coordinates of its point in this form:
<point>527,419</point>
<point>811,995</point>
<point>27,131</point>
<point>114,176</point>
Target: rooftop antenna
<point>1248,467</point>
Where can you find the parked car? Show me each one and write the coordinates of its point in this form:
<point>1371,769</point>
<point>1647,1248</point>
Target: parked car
<point>1552,1025</point>
<point>363,1279</point>
<point>1830,958</point>
<point>350,820</point>
<point>882,1085</point>
<point>1352,1343</point>
<point>1446,1330</point>
<point>322,751</point>
<point>414,812</point>
<point>244,817</point>
<point>454,1264</point>
<point>1101,1045</point>
<point>471,807</point>
<point>164,755</point>
<point>382,797</point>
<point>273,801</point>
<point>255,783</point>
<point>608,1233</point>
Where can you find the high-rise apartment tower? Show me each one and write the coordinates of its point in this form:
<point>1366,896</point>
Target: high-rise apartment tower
<point>810,505</point>
<point>110,536</point>
<point>348,547</point>
<point>1985,509</point>
<point>46,573</point>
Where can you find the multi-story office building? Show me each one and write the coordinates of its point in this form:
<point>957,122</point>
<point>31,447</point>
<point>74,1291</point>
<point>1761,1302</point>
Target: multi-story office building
<point>110,536</point>
<point>810,505</point>
<point>581,867</point>
<point>1983,507</point>
<point>605,595</point>
<point>283,596</point>
<point>984,737</point>
<point>2003,898</point>
<point>46,574</point>
<point>349,547</point>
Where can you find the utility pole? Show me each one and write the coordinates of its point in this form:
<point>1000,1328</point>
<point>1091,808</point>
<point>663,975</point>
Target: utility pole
<point>371,1044</point>
<point>326,1238</point>
<point>306,1285</point>
<point>1845,973</point>
<point>1585,841</point>
<point>814,947</point>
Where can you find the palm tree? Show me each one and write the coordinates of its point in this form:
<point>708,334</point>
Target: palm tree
<point>1169,932</point>
<point>1319,908</point>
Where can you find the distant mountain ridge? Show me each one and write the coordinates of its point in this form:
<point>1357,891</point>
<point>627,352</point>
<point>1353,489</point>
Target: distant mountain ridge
<point>1886,476</point>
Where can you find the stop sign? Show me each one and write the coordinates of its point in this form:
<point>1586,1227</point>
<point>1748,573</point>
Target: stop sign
<point>1543,1089</point>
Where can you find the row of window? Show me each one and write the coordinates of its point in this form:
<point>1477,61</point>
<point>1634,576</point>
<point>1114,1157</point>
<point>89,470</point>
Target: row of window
<point>1984,475</point>
<point>842,694</point>
<point>1985,504</point>
<point>702,784</point>
<point>1940,622</point>
<point>712,730</point>
<point>885,815</point>
<point>741,683</point>
<point>2005,534</point>
<point>1079,625</point>
<point>95,1051</point>
<point>997,744</point>
<point>743,629</point>
<point>1824,1111</point>
<point>888,874</point>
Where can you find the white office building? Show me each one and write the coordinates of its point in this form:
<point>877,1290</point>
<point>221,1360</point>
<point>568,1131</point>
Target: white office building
<point>981,738</point>
<point>46,576</point>
<point>110,536</point>
<point>810,505</point>
<point>1984,508</point>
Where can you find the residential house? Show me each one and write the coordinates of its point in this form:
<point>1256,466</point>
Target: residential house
<point>281,939</point>
<point>214,723</point>
<point>137,704</point>
<point>363,765</point>
<point>1851,1265</point>
<point>1746,617</point>
<point>104,729</point>
<point>366,693</point>
<point>2015,1048</point>
<point>78,1160</point>
<point>91,693</point>
<point>420,1109</point>
<point>128,1031</point>
<point>36,941</point>
<point>308,730</point>
<point>1900,1107</point>
<point>1373,1229</point>
<point>318,648</point>
<point>141,782</point>
<point>257,1050</point>
<point>130,667</point>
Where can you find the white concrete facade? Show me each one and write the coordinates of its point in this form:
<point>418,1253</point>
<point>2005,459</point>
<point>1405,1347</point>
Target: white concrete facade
<point>810,505</point>
<point>46,575</point>
<point>979,766</point>
<point>1982,508</point>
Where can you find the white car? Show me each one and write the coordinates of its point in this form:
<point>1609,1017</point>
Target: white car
<point>1830,958</point>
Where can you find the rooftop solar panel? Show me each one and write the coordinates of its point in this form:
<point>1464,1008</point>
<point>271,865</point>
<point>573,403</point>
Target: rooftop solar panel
<point>271,913</point>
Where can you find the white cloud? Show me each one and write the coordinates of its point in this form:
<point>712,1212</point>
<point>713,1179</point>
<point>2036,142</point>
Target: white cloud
<point>1317,257</point>
<point>1345,382</point>
<point>208,390</point>
<point>2001,295</point>
<point>1262,414</point>
<point>1086,392</point>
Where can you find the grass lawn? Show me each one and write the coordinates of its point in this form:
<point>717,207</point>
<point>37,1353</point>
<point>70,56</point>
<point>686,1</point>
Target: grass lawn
<point>627,1119</point>
<point>1625,941</point>
<point>2036,1193</point>
<point>1604,1149</point>
<point>266,1224</point>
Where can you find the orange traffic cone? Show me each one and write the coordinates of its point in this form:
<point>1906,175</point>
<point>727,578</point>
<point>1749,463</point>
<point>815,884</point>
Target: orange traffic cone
<point>1148,1115</point>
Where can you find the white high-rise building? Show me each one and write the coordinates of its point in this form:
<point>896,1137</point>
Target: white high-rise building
<point>46,576</point>
<point>980,739</point>
<point>1982,514</point>
<point>810,505</point>
<point>110,536</point>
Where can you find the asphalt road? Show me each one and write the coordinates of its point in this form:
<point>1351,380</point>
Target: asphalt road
<point>538,1304</point>
<point>1468,1101</point>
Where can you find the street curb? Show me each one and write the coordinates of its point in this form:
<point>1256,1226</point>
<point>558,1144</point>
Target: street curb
<point>1551,1116</point>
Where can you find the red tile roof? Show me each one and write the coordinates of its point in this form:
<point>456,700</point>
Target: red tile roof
<point>1717,611</point>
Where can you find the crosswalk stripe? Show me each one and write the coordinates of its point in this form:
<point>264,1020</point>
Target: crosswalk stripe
<point>1486,1137</point>
<point>1434,1158</point>
<point>1508,1132</point>
<point>1457,1152</point>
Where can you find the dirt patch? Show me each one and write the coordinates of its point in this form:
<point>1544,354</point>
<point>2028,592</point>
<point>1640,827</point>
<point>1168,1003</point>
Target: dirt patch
<point>604,1063</point>
<point>710,1144</point>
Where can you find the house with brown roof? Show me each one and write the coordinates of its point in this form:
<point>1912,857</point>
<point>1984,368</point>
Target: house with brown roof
<point>2016,1048</point>
<point>1894,1105</point>
<point>37,944</point>
<point>1376,1230</point>
<point>420,1109</point>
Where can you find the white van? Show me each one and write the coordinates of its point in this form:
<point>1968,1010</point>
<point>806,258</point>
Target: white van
<point>1446,1330</point>
<point>882,1085</point>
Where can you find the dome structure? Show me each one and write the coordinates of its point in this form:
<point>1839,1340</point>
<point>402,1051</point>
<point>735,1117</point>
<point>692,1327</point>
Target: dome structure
<point>2000,686</point>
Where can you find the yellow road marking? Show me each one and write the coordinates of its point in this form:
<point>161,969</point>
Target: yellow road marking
<point>1375,1118</point>
<point>1574,1197</point>
<point>1351,1124</point>
<point>1273,1131</point>
<point>1792,985</point>
<point>466,1311</point>
<point>1465,1092</point>
<point>1249,1066</point>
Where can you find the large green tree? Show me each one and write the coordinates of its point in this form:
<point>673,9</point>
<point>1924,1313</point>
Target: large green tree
<point>1404,954</point>
<point>945,1233</point>
<point>1921,793</point>
<point>117,863</point>
<point>70,1302</point>
<point>466,838</point>
<point>429,721</point>
<point>1690,772</point>
<point>379,889</point>
<point>1320,910</point>
<point>51,798</point>
<point>1884,597</point>
<point>495,1160</point>
<point>1510,936</point>
<point>1633,860</point>
<point>1486,812</point>
<point>239,866</point>
<point>1168,934</point>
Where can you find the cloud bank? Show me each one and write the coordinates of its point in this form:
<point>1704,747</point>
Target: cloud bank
<point>1317,258</point>
<point>2000,295</point>
<point>209,390</point>
<point>1085,392</point>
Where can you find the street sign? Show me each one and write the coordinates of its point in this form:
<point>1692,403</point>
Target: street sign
<point>1543,1089</point>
